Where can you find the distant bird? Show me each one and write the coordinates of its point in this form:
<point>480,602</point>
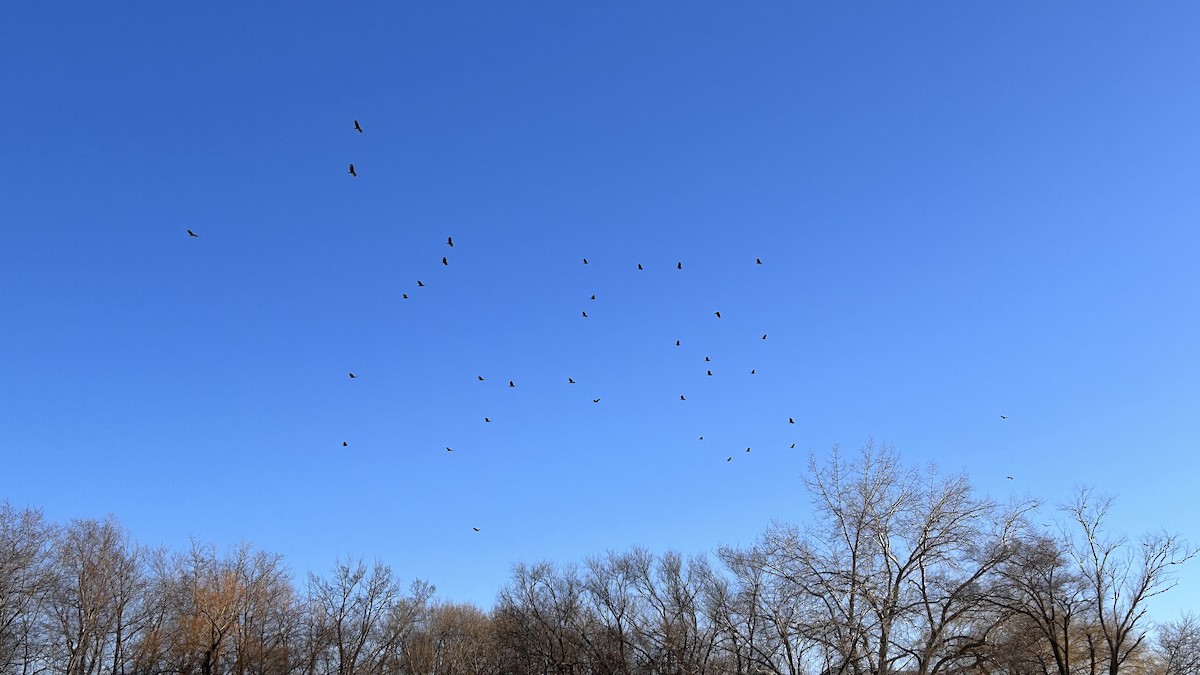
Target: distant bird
<point>480,377</point>
<point>640,266</point>
<point>1009,477</point>
<point>192,234</point>
<point>752,371</point>
<point>510,383</point>
<point>678,266</point>
<point>585,261</point>
<point>444,261</point>
<point>791,421</point>
<point>475,528</point>
<point>570,381</point>
<point>593,296</point>
<point>487,419</point>
<point>449,449</point>
<point>758,261</point>
<point>706,359</point>
<point>729,459</point>
<point>1004,417</point>
<point>584,314</point>
<point>404,296</point>
<point>764,336</point>
<point>681,398</point>
<point>701,438</point>
<point>345,444</point>
<point>352,172</point>
<point>450,241</point>
<point>595,400</point>
<point>718,314</point>
<point>747,449</point>
<point>352,376</point>
<point>677,343</point>
<point>710,373</point>
<point>356,127</point>
<point>792,445</point>
<point>420,284</point>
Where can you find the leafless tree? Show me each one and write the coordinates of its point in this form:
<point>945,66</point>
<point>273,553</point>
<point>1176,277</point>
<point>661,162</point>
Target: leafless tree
<point>26,582</point>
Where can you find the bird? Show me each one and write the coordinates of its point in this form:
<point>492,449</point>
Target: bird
<point>345,444</point>
<point>487,419</point>
<point>404,296</point>
<point>357,127</point>
<point>792,445</point>
<point>747,449</point>
<point>585,261</point>
<point>677,343</point>
<point>791,421</point>
<point>352,172</point>
<point>584,314</point>
<point>640,266</point>
<point>1009,477</point>
<point>729,459</point>
<point>510,384</point>
<point>701,438</point>
<point>352,376</point>
<point>593,296</point>
<point>449,449</point>
<point>758,261</point>
<point>752,371</point>
<point>570,381</point>
<point>679,266</point>
<point>192,234</point>
<point>475,528</point>
<point>1004,417</point>
<point>681,398</point>
<point>707,360</point>
<point>718,314</point>
<point>764,336</point>
<point>450,241</point>
<point>480,377</point>
<point>710,373</point>
<point>420,284</point>
<point>595,400</point>
<point>444,261</point>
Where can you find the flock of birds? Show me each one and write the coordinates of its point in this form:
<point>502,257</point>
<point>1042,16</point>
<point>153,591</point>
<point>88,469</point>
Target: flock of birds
<point>511,383</point>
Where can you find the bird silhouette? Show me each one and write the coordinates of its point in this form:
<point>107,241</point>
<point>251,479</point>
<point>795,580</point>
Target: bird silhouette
<point>677,343</point>
<point>486,419</point>
<point>764,336</point>
<point>1004,417</point>
<point>404,296</point>
<point>345,444</point>
<point>752,371</point>
<point>639,266</point>
<point>701,438</point>
<point>352,172</point>
<point>747,449</point>
<point>510,383</point>
<point>585,261</point>
<point>584,314</point>
<point>420,284</point>
<point>678,266</point>
<point>593,296</point>
<point>595,400</point>
<point>1009,477</point>
<point>792,445</point>
<point>707,360</point>
<point>192,234</point>
<point>449,449</point>
<point>710,373</point>
<point>480,377</point>
<point>570,381</point>
<point>357,127</point>
<point>450,241</point>
<point>791,421</point>
<point>444,261</point>
<point>729,458</point>
<point>681,398</point>
<point>718,314</point>
<point>353,376</point>
<point>475,528</point>
<point>758,261</point>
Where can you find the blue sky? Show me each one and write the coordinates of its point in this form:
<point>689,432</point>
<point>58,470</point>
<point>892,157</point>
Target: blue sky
<point>962,210</point>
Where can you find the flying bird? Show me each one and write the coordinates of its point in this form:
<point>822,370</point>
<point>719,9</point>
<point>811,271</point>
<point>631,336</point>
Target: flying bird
<point>345,444</point>
<point>729,459</point>
<point>639,266</point>
<point>404,296</point>
<point>510,383</point>
<point>764,336</point>
<point>585,261</point>
<point>420,284</point>
<point>444,261</point>
<point>475,528</point>
<point>1004,417</point>
<point>792,445</point>
<point>357,127</point>
<point>758,261</point>
<point>352,172</point>
<point>707,360</point>
<point>570,381</point>
<point>1009,477</point>
<point>595,400</point>
<point>791,421</point>
<point>584,314</point>
<point>480,377</point>
<point>681,398</point>
<point>487,419</point>
<point>747,449</point>
<point>192,234</point>
<point>678,266</point>
<point>718,314</point>
<point>450,241</point>
<point>701,438</point>
<point>353,376</point>
<point>710,373</point>
<point>448,449</point>
<point>593,296</point>
<point>752,370</point>
<point>677,343</point>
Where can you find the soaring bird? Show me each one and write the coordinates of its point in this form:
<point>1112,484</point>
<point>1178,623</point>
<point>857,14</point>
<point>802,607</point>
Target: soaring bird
<point>486,419</point>
<point>352,172</point>
<point>752,371</point>
<point>792,445</point>
<point>679,266</point>
<point>480,377</point>
<point>570,381</point>
<point>718,314</point>
<point>192,234</point>
<point>710,373</point>
<point>640,266</point>
<point>450,241</point>
<point>345,444</point>
<point>764,336</point>
<point>404,296</point>
<point>420,284</point>
<point>707,360</point>
<point>353,376</point>
<point>449,449</point>
<point>356,127</point>
<point>1004,417</point>
<point>701,438</point>
<point>677,343</point>
<point>758,261</point>
<point>510,383</point>
<point>444,261</point>
<point>475,528</point>
<point>593,296</point>
<point>584,314</point>
<point>1009,477</point>
<point>595,400</point>
<point>681,398</point>
<point>585,261</point>
<point>729,459</point>
<point>747,449</point>
<point>791,421</point>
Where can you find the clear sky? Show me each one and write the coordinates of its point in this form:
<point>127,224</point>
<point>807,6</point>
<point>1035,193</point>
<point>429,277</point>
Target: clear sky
<point>963,210</point>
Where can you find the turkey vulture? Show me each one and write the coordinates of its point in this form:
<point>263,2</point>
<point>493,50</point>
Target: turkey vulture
<point>357,127</point>
<point>192,234</point>
<point>352,172</point>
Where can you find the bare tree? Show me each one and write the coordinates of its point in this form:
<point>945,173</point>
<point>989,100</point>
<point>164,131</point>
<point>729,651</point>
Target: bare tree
<point>1179,646</point>
<point>26,581</point>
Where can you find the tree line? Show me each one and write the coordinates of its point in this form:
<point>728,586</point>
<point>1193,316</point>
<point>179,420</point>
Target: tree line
<point>901,571</point>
